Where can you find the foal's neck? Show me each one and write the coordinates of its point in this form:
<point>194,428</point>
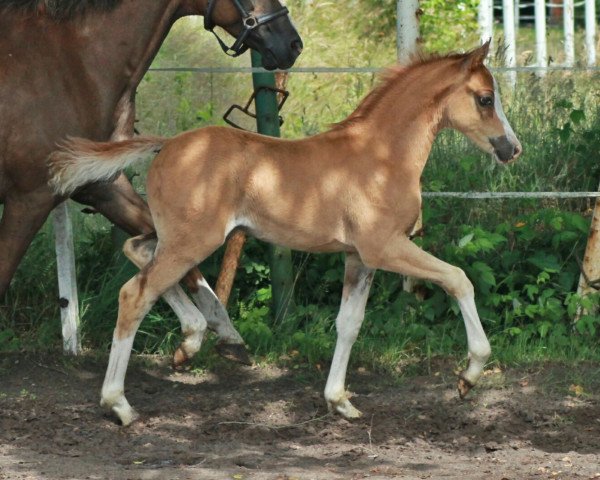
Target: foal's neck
<point>403,122</point>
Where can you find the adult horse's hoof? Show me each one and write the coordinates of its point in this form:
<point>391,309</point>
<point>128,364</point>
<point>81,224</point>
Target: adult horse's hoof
<point>464,386</point>
<point>236,352</point>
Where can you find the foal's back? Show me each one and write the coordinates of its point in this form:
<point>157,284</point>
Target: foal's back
<point>309,194</point>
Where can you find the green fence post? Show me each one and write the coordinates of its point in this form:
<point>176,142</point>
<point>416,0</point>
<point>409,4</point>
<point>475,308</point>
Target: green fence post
<point>267,122</point>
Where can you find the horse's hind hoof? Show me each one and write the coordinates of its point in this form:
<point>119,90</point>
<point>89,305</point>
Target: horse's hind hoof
<point>464,386</point>
<point>236,352</point>
<point>180,359</point>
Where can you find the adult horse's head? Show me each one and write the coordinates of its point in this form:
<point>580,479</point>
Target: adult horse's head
<point>263,25</point>
<point>475,109</point>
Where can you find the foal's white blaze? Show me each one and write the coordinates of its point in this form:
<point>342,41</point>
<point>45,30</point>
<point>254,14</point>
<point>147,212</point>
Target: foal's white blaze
<point>508,131</point>
<point>113,388</point>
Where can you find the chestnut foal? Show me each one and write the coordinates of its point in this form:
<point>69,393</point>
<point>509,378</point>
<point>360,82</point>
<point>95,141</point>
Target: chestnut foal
<point>353,189</point>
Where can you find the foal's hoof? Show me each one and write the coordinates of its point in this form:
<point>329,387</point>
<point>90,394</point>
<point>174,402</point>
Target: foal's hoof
<point>123,411</point>
<point>345,409</point>
<point>127,417</point>
<point>236,352</point>
<point>464,386</point>
<point>180,359</point>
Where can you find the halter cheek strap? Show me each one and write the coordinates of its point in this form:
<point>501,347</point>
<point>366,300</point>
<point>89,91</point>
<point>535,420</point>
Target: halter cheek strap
<point>249,23</point>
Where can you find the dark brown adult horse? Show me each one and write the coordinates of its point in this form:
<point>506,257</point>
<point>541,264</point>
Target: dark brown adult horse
<point>71,67</point>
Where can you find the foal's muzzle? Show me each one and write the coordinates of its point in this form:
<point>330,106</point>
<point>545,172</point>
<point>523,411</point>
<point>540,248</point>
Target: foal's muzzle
<point>505,150</point>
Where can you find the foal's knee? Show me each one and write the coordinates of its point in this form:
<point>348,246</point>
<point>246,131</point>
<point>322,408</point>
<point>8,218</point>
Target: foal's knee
<point>457,284</point>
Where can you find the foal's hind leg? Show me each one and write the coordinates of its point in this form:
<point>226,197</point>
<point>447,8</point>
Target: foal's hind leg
<point>230,345</point>
<point>402,256</point>
<point>357,282</point>
<point>135,300</point>
<point>140,251</point>
<point>120,203</point>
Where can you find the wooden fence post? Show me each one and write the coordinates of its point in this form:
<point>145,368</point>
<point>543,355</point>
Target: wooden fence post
<point>407,28</point>
<point>589,281</point>
<point>569,27</point>
<point>67,280</point>
<point>590,32</point>
<point>485,18</point>
<point>407,24</point>
<point>510,38</point>
<point>541,48</point>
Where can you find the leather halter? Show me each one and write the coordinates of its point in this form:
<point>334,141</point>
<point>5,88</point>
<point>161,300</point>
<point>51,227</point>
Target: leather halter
<point>249,23</point>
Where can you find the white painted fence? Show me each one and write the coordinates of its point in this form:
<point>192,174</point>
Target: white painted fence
<point>67,280</point>
<point>511,17</point>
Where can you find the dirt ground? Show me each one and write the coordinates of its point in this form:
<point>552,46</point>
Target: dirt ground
<point>245,423</point>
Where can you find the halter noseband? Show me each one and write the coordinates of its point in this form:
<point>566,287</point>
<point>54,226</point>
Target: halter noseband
<point>249,23</point>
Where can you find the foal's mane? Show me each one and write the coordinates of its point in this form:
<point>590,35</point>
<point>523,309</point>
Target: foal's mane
<point>388,79</point>
<point>58,9</point>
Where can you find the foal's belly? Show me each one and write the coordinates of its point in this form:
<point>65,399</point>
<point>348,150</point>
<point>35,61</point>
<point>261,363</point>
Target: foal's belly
<point>300,241</point>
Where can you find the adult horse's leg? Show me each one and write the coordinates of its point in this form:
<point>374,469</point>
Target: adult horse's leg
<point>140,250</point>
<point>402,256</point>
<point>121,204</point>
<point>22,217</point>
<point>357,282</point>
<point>135,300</point>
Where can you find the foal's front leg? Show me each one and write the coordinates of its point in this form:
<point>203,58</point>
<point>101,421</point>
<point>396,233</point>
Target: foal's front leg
<point>402,256</point>
<point>357,282</point>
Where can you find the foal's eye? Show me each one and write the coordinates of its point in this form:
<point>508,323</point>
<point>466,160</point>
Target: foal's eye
<point>486,100</point>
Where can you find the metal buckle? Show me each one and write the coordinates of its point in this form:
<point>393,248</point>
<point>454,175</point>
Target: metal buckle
<point>246,108</point>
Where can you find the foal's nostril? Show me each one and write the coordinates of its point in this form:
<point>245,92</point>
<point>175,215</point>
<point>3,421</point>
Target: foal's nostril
<point>517,151</point>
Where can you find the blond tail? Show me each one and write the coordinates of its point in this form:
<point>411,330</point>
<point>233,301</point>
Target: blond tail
<point>79,161</point>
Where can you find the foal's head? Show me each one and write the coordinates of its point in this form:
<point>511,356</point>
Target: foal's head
<point>474,109</point>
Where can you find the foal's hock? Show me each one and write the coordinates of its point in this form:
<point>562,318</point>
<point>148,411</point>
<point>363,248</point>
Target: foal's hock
<point>353,189</point>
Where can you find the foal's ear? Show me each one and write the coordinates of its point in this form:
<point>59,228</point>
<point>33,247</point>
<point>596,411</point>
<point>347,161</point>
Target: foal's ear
<point>475,58</point>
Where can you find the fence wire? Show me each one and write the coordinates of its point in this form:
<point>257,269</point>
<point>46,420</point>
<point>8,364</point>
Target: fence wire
<point>209,70</point>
